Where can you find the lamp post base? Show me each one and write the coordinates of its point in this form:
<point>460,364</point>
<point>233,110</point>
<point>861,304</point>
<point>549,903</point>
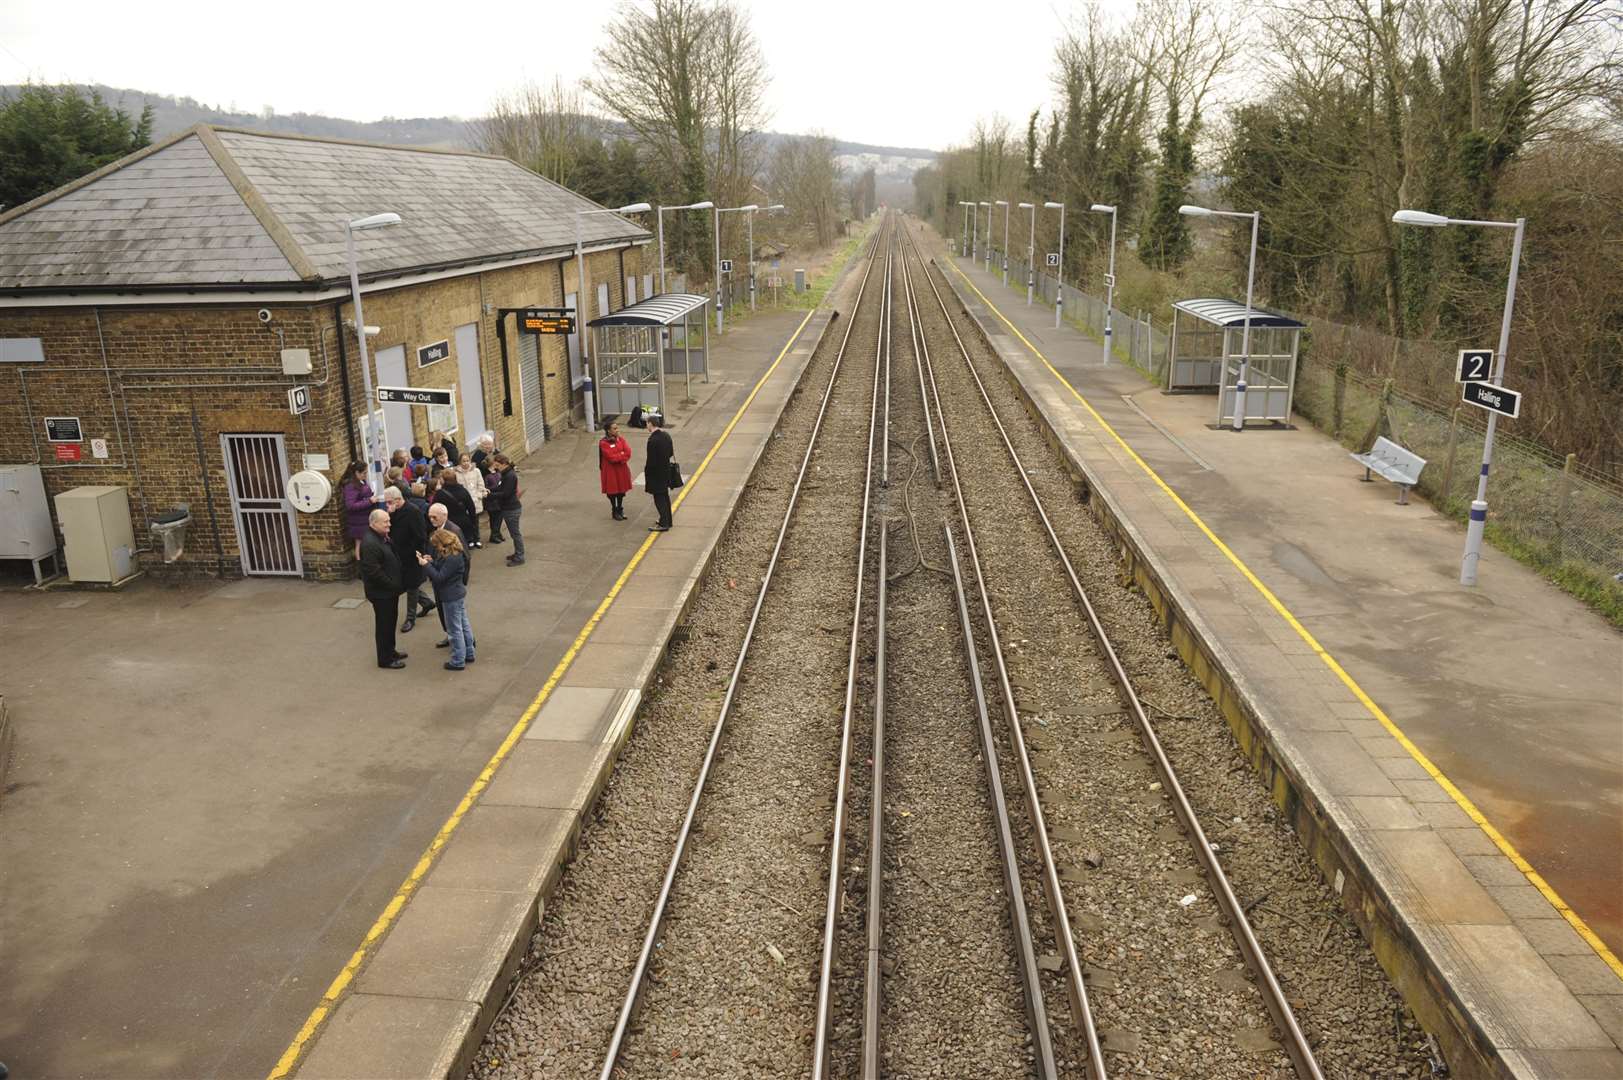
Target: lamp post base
<point>1473,542</point>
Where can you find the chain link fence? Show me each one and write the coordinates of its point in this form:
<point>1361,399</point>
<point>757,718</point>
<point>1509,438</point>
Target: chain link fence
<point>1551,512</point>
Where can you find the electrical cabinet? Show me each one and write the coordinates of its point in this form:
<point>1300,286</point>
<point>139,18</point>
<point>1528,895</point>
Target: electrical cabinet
<point>96,533</point>
<point>25,516</point>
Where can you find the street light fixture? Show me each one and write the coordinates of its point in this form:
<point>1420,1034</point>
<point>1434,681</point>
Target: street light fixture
<point>751,220</point>
<point>1005,204</point>
<point>1250,280</point>
<point>1110,276</point>
<point>1059,271</point>
<point>986,252</point>
<point>706,205</point>
<point>963,233</point>
<point>720,210</point>
<point>1479,505</point>
<point>581,292</point>
<point>374,459</point>
<point>1031,251</point>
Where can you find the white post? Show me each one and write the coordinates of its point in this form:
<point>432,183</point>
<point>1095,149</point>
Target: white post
<point>580,297</point>
<point>374,463</point>
<point>975,234</point>
<point>1110,284</point>
<point>988,251</point>
<point>1031,253</point>
<point>1245,336</point>
<point>661,216</point>
<point>715,213</point>
<point>1005,203</point>
<point>752,262</point>
<point>1059,271</point>
<point>1479,506</point>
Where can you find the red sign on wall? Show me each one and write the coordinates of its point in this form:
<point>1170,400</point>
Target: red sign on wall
<point>67,451</point>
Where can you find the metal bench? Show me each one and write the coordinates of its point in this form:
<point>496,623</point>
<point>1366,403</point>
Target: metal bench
<point>1402,467</point>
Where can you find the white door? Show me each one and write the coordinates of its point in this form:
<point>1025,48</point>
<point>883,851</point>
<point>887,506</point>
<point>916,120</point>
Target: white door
<point>631,289</point>
<point>396,418</point>
<point>470,382</point>
<point>647,285</point>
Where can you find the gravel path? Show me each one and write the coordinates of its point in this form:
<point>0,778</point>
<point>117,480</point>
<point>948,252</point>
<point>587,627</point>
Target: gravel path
<point>753,878</point>
<point>1129,869</point>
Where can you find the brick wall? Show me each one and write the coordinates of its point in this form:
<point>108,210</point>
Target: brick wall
<point>139,378</point>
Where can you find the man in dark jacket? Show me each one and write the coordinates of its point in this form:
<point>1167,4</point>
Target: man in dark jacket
<point>408,535</point>
<point>657,473</point>
<point>380,573</point>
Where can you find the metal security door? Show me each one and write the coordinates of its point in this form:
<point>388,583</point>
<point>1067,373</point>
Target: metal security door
<point>256,476</point>
<point>529,384</point>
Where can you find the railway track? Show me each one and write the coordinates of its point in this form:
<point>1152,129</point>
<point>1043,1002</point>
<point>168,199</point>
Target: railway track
<point>933,830</point>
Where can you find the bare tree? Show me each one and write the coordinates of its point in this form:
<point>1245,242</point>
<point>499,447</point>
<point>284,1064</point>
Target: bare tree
<point>804,176</point>
<point>546,129</point>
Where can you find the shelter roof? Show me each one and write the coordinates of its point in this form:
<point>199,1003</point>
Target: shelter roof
<point>1222,312</point>
<point>663,309</point>
<point>226,207</point>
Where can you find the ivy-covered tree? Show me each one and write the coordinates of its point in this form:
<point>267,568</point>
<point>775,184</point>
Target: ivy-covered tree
<point>52,135</point>
<point>1165,242</point>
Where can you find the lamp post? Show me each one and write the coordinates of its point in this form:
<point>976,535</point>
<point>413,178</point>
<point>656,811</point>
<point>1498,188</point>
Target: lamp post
<point>580,302</point>
<point>1031,251</point>
<point>720,210</point>
<point>706,205</point>
<point>963,231</point>
<point>974,233</point>
<point>1110,276</point>
<point>374,460</point>
<point>1250,280</point>
<point>986,252</point>
<point>1005,204</point>
<point>751,220</point>
<point>1479,505</point>
<point>1059,271</point>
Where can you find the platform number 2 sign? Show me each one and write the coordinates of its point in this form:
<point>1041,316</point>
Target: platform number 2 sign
<point>1475,365</point>
<point>1053,258</point>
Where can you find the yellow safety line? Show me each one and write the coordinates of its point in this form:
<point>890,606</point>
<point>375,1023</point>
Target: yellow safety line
<point>1364,699</point>
<point>290,1056</point>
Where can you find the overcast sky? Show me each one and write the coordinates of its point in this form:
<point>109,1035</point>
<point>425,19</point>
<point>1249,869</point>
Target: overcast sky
<point>879,72</point>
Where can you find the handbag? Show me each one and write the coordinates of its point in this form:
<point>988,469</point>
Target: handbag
<point>676,480</point>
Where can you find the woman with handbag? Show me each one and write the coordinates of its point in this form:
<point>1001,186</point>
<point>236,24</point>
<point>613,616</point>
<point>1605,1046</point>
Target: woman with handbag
<point>613,453</point>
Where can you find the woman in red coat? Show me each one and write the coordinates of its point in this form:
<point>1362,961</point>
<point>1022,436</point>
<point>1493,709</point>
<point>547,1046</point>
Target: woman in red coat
<point>613,453</point>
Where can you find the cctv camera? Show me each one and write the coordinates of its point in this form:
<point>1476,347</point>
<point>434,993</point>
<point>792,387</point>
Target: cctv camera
<point>265,315</point>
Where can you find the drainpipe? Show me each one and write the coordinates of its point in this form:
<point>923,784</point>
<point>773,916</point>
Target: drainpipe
<point>343,381</point>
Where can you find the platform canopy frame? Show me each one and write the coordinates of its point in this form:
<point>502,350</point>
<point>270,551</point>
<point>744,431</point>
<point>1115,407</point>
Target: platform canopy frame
<point>1208,336</point>
<point>629,344</point>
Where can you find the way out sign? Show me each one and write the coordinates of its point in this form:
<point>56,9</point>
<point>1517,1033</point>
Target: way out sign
<point>412,395</point>
<point>1493,398</point>
<point>1476,365</point>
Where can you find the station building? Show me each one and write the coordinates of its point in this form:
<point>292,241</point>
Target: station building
<point>178,306</point>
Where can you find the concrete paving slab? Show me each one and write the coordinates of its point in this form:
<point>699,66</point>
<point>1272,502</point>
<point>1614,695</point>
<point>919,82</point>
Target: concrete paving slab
<point>1607,1009</point>
<point>1567,1064</point>
<point>1528,1006</point>
<point>371,1036</point>
<point>547,773</point>
<point>505,849</point>
<point>577,713</point>
<point>449,944</point>
<point>1429,880</point>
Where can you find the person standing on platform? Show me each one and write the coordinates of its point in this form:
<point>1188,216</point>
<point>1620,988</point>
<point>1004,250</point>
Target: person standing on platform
<point>448,569</point>
<point>473,482</point>
<point>380,573</point>
<point>408,535</point>
<point>657,471</point>
<point>459,505</point>
<point>358,504</point>
<point>613,453</point>
<point>505,495</point>
<point>438,519</point>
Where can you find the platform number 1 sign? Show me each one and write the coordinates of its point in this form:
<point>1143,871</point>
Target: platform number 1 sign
<point>1476,365</point>
<point>726,266</point>
<point>1053,258</point>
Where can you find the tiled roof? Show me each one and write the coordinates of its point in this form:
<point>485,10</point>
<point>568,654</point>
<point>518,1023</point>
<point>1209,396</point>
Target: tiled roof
<point>216,207</point>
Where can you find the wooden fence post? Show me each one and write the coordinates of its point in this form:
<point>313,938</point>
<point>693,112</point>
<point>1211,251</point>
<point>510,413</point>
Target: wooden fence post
<point>1565,508</point>
<point>1339,397</point>
<point>1448,462</point>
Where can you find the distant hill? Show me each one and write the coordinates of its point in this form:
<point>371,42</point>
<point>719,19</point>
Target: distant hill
<point>172,114</point>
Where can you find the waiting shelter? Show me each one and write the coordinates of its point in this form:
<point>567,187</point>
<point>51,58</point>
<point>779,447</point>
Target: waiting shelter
<point>628,344</point>
<point>1208,345</point>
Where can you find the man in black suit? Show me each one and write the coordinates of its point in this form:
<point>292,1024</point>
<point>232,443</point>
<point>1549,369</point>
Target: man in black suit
<point>408,535</point>
<point>657,473</point>
<point>380,572</point>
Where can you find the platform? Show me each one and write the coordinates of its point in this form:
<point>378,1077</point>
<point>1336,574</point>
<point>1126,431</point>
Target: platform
<point>219,808</point>
<point>1452,757</point>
